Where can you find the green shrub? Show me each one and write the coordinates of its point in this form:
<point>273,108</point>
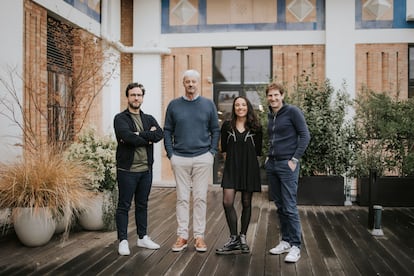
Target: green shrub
<point>384,134</point>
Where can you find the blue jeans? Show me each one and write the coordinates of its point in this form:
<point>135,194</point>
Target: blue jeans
<point>137,185</point>
<point>283,184</point>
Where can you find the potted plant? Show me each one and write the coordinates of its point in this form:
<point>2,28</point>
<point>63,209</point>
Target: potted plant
<point>384,142</point>
<point>327,158</point>
<point>38,189</point>
<point>98,154</point>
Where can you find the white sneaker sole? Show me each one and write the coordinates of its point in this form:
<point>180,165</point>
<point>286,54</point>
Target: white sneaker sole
<point>293,260</point>
<point>201,249</point>
<point>124,253</point>
<point>148,247</point>
<point>179,249</point>
<point>273,252</point>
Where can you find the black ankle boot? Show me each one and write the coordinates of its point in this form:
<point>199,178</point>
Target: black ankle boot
<point>231,247</point>
<point>243,244</point>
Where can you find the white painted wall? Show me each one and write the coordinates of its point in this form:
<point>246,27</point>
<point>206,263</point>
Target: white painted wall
<point>259,38</point>
<point>340,45</point>
<point>11,57</point>
<point>147,66</point>
<point>111,96</point>
<point>111,31</point>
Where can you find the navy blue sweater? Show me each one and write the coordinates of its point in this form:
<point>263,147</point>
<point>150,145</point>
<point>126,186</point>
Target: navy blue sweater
<point>288,133</point>
<point>191,127</point>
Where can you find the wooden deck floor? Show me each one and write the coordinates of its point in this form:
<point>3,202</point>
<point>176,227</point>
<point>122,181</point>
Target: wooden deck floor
<point>336,241</point>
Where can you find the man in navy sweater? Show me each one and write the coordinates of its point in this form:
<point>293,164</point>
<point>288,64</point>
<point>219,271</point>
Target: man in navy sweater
<point>289,137</point>
<point>191,135</point>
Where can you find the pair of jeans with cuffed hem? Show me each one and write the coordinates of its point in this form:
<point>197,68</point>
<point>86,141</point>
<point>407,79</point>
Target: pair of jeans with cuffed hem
<point>283,184</point>
<point>135,185</point>
<point>192,175</point>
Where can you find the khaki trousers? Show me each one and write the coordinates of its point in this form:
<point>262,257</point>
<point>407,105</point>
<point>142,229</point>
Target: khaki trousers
<point>192,174</point>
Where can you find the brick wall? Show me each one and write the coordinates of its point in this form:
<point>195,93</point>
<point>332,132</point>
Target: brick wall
<point>127,28</point>
<point>173,67</point>
<point>382,68</point>
<point>291,61</point>
<point>87,83</point>
<point>35,73</point>
<point>88,60</point>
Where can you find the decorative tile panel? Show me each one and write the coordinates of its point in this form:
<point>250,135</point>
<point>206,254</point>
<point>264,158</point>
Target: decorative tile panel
<point>184,11</point>
<point>300,9</point>
<point>378,9</point>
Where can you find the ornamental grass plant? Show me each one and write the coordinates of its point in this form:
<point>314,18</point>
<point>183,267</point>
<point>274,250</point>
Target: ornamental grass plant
<point>45,179</point>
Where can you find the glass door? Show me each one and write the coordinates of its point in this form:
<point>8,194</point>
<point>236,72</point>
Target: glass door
<point>238,72</point>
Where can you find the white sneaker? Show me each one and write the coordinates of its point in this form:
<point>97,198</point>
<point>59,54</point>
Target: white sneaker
<point>123,248</point>
<point>282,247</point>
<point>293,255</point>
<point>147,243</point>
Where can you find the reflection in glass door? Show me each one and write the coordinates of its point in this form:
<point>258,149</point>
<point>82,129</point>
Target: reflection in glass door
<point>238,71</point>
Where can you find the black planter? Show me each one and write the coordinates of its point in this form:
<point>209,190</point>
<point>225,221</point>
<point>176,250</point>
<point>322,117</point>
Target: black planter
<point>391,191</point>
<point>320,190</point>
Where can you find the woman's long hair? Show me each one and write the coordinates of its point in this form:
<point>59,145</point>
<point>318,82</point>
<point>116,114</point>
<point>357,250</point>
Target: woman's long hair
<point>252,122</point>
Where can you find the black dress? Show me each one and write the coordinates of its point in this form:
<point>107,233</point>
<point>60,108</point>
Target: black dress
<point>241,168</point>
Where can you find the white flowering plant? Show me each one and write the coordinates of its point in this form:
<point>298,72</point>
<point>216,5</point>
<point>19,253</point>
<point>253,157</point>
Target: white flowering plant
<point>98,153</point>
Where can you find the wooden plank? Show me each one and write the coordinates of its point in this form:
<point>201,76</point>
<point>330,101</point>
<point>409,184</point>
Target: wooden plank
<point>358,257</point>
<point>216,228</point>
<point>322,226</point>
<point>304,265</point>
<point>342,256</point>
<point>273,263</point>
<point>336,241</point>
<point>258,249</point>
<point>311,243</point>
<point>355,225</point>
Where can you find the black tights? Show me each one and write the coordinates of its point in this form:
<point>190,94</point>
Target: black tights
<point>231,216</point>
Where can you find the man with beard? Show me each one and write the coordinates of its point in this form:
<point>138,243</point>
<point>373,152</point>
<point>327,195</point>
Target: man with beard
<point>136,133</point>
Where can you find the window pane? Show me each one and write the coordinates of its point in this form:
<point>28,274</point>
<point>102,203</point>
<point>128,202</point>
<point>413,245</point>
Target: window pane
<point>257,66</point>
<point>227,66</point>
<point>254,99</point>
<point>225,103</point>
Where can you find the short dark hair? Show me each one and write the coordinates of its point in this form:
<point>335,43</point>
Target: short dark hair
<point>133,85</point>
<point>275,86</point>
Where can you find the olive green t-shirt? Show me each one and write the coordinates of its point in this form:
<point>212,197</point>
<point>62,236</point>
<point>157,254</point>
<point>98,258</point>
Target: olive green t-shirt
<point>140,163</point>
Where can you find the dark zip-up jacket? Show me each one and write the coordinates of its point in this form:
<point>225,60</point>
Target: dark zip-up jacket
<point>128,140</point>
<point>288,133</point>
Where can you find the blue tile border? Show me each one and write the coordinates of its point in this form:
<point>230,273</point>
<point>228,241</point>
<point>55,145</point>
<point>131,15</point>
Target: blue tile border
<point>399,18</point>
<point>84,8</point>
<point>210,28</point>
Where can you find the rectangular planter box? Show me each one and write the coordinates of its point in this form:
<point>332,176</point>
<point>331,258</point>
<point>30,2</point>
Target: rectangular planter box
<point>392,191</point>
<point>320,190</point>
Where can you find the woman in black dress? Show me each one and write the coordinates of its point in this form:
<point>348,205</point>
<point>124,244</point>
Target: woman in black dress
<point>241,141</point>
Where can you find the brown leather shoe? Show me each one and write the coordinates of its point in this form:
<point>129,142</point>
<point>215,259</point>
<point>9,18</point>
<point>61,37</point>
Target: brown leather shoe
<point>200,245</point>
<point>179,245</point>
